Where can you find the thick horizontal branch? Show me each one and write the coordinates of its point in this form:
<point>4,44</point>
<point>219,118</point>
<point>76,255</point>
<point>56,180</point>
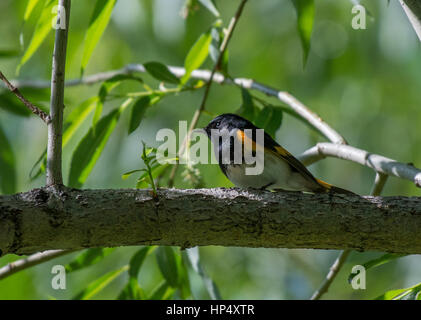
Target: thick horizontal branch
<point>376,162</point>
<point>61,218</point>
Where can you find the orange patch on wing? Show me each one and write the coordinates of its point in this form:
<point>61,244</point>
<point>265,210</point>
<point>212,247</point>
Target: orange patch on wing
<point>247,141</point>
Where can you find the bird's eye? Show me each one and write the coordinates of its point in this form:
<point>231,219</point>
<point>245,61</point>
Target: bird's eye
<point>217,123</point>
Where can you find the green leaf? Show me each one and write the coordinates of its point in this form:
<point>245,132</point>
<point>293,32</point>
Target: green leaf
<point>97,25</point>
<point>167,263</point>
<point>30,8</point>
<point>128,174</point>
<point>194,259</point>
<point>378,262</point>
<point>96,286</point>
<point>76,117</point>
<point>90,147</point>
<point>411,293</point>
<point>143,181</point>
<point>214,49</point>
<point>87,258</point>
<point>138,111</point>
<point>132,290</point>
<point>42,29</point>
<point>247,110</point>
<point>210,5</point>
<point>162,292</point>
<point>7,165</point>
<point>305,20</point>
<point>161,72</point>
<point>197,55</point>
<point>270,119</point>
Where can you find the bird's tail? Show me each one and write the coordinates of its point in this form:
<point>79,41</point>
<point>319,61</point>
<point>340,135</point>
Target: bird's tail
<point>330,188</point>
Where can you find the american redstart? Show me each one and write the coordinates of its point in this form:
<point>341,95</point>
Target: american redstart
<point>281,170</point>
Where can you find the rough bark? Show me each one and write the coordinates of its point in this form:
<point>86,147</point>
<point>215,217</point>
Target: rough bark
<point>64,218</point>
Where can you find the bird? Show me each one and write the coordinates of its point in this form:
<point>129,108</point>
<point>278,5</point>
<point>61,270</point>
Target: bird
<point>281,170</point>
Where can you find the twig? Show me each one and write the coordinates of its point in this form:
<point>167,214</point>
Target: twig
<point>378,185</point>
<point>198,112</point>
<point>28,104</point>
<point>32,260</point>
<point>412,9</point>
<point>376,162</point>
<point>55,127</point>
<point>333,271</point>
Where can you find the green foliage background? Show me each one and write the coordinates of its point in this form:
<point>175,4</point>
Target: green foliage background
<point>365,83</point>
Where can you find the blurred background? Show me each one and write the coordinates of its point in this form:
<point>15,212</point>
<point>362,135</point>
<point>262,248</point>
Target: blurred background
<point>364,83</point>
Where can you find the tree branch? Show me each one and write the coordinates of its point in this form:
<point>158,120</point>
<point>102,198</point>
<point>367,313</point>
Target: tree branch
<point>44,117</point>
<point>378,163</point>
<point>412,9</point>
<point>55,127</point>
<point>32,260</point>
<point>297,106</point>
<point>75,219</point>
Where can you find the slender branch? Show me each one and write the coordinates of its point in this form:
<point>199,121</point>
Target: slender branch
<point>378,185</point>
<point>412,9</point>
<point>55,127</point>
<point>199,111</point>
<point>34,259</point>
<point>333,271</point>
<point>374,161</point>
<point>44,117</point>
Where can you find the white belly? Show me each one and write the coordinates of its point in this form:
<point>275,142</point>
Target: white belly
<point>276,175</point>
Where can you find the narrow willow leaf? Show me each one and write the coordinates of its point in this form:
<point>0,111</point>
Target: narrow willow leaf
<point>162,292</point>
<point>167,263</point>
<point>138,111</point>
<point>194,259</point>
<point>161,72</point>
<point>378,262</point>
<point>269,119</point>
<point>305,20</point>
<point>87,258</point>
<point>247,110</point>
<point>128,174</point>
<point>96,286</point>
<point>411,293</point>
<point>132,290</point>
<point>143,181</point>
<point>98,23</point>
<point>30,8</point>
<point>7,165</point>
<point>90,147</point>
<point>75,119</point>
<point>210,5</point>
<point>42,29</point>
<point>197,55</point>
<point>217,34</point>
<point>184,285</point>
